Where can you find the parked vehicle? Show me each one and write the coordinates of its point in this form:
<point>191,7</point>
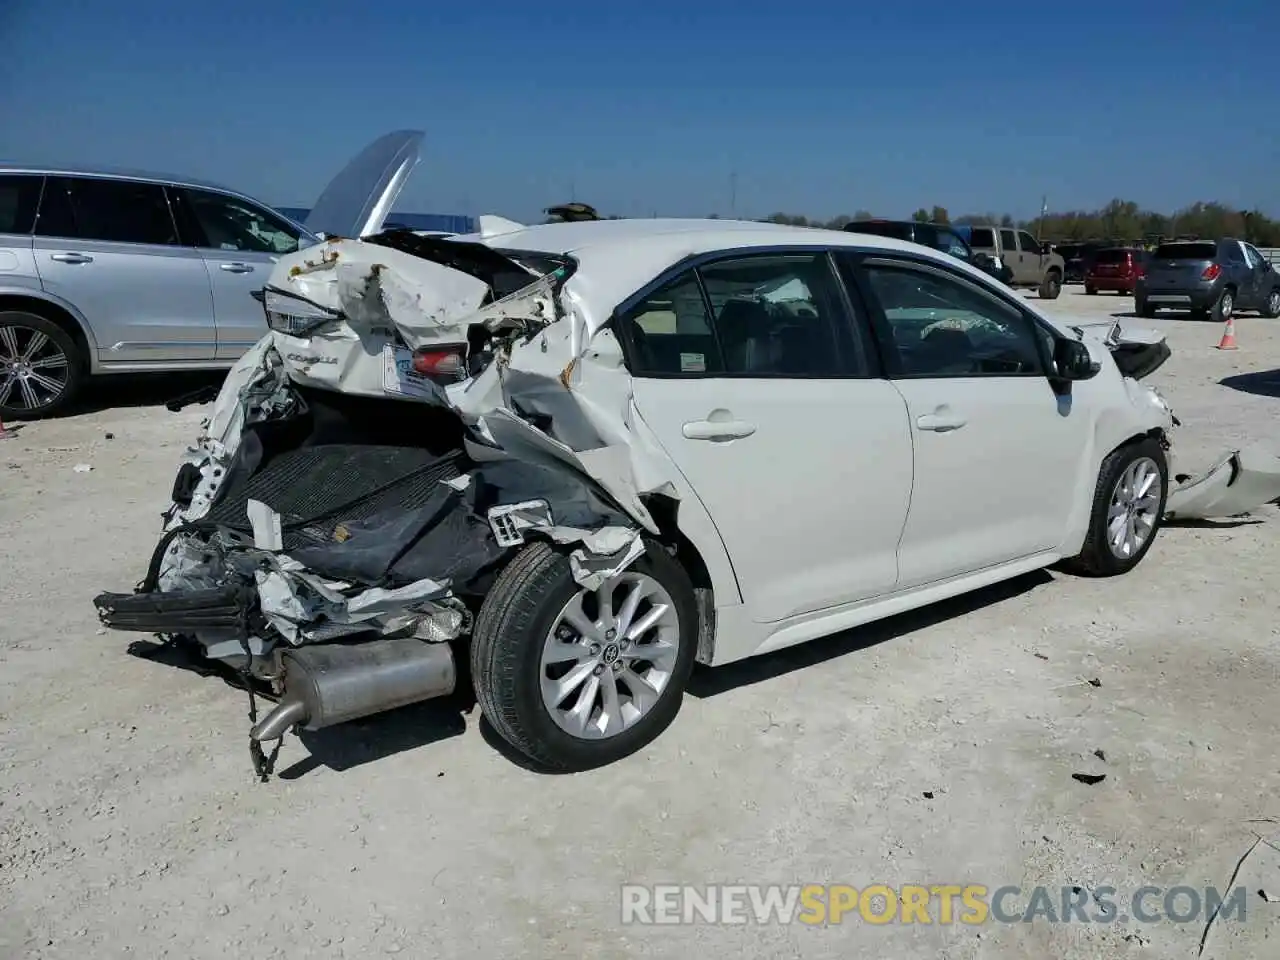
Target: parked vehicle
<point>1115,269</point>
<point>1073,261</point>
<point>128,272</point>
<point>1209,278</point>
<point>1032,267</point>
<point>548,449</point>
<point>939,236</point>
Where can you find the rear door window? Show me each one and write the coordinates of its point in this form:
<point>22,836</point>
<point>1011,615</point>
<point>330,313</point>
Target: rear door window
<point>1008,241</point>
<point>19,196</point>
<point>122,211</point>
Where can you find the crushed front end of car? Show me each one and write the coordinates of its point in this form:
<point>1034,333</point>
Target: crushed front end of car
<point>367,469</point>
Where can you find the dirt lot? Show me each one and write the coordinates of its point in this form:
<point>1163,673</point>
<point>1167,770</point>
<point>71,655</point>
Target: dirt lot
<point>935,748</point>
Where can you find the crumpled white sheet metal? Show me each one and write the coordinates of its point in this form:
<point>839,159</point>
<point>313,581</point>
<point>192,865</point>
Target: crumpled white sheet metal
<point>1237,484</point>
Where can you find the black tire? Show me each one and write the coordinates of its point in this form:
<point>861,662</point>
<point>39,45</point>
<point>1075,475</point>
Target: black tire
<point>1225,307</point>
<point>1199,314</point>
<point>1143,309</point>
<point>506,651</point>
<point>1051,285</point>
<point>1096,558</point>
<point>1091,291</point>
<point>1271,305</point>
<point>18,328</point>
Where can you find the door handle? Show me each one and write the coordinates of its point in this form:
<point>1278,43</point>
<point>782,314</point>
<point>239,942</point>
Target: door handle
<point>939,422</point>
<point>235,267</point>
<point>71,257</point>
<point>717,430</point>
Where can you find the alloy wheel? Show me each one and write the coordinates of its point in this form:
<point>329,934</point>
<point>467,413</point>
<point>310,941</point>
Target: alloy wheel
<point>609,656</point>
<point>34,370</point>
<point>1273,303</point>
<point>1134,508</point>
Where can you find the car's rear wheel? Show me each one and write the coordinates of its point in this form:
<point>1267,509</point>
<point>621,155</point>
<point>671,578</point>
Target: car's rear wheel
<point>1271,307</point>
<point>1090,290</point>
<point>575,678</point>
<point>1128,506</point>
<point>1225,307</point>
<point>1051,285</point>
<point>1143,309</point>
<point>41,368</point>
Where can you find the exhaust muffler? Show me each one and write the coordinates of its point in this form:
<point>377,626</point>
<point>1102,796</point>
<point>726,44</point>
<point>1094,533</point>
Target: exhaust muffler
<point>332,683</point>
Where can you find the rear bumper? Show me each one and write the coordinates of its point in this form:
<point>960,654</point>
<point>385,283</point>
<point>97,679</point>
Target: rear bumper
<point>1118,284</point>
<point>1178,298</point>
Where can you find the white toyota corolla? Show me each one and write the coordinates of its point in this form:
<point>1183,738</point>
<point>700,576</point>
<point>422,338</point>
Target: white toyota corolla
<point>589,455</point>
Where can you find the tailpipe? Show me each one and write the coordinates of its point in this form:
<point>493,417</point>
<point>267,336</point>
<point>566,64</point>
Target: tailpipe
<point>332,683</point>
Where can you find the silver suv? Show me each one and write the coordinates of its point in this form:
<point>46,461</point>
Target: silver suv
<point>121,272</point>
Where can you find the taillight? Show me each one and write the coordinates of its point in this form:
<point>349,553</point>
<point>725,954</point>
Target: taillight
<point>441,363</point>
<point>1211,272</point>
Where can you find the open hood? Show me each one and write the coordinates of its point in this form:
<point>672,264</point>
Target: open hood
<point>359,198</point>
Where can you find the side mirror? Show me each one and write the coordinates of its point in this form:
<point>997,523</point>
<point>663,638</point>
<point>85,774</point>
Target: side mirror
<point>1071,361</point>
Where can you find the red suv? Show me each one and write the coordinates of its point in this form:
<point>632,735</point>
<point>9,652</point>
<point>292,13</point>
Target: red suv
<point>1115,268</point>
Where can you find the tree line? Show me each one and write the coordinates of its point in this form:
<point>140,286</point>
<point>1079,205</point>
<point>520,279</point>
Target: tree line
<point>1119,220</point>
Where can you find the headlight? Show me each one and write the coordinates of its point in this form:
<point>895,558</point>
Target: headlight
<point>294,315</point>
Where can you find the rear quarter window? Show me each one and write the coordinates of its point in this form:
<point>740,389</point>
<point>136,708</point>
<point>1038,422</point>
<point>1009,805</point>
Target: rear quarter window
<point>982,237</point>
<point>19,195</point>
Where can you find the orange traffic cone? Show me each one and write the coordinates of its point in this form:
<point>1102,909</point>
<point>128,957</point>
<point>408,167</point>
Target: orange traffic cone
<point>6,433</point>
<point>1228,341</point>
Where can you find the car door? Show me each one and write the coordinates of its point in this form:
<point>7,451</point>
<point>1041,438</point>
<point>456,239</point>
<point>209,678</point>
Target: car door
<point>1238,271</point>
<point>997,452</point>
<point>1009,251</point>
<point>1260,278</point>
<point>763,395</point>
<point>1030,256</point>
<point>111,249</point>
<point>239,241</point>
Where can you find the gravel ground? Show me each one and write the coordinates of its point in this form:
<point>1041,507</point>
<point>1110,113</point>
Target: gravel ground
<point>937,747</point>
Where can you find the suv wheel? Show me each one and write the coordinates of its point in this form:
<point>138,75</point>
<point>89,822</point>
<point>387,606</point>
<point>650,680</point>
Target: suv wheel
<point>1271,309</point>
<point>1223,309</point>
<point>575,678</point>
<point>1051,285</point>
<point>1143,309</point>
<point>1128,506</point>
<point>40,366</point>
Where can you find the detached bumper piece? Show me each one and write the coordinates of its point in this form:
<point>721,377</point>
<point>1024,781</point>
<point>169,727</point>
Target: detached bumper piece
<point>219,608</point>
<point>1239,483</point>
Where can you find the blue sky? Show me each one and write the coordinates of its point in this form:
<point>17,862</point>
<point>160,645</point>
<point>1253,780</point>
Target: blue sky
<point>818,108</point>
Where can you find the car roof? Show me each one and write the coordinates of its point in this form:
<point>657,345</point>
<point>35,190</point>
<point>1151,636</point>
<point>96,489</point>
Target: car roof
<point>618,257</point>
<point>114,173</point>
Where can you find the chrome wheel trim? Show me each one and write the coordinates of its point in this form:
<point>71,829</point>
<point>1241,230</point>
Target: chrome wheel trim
<point>1228,304</point>
<point>609,656</point>
<point>1134,508</point>
<point>34,370</point>
<point>1273,302</point>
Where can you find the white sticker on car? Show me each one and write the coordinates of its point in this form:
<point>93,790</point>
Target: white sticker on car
<point>399,377</point>
<point>693,363</point>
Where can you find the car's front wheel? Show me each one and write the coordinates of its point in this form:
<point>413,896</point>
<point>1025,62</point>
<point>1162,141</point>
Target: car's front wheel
<point>575,678</point>
<point>40,366</point>
<point>1128,504</point>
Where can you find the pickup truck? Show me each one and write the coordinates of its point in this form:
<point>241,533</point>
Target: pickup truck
<point>1032,264</point>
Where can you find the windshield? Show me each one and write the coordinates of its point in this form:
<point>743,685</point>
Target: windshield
<point>1186,251</point>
